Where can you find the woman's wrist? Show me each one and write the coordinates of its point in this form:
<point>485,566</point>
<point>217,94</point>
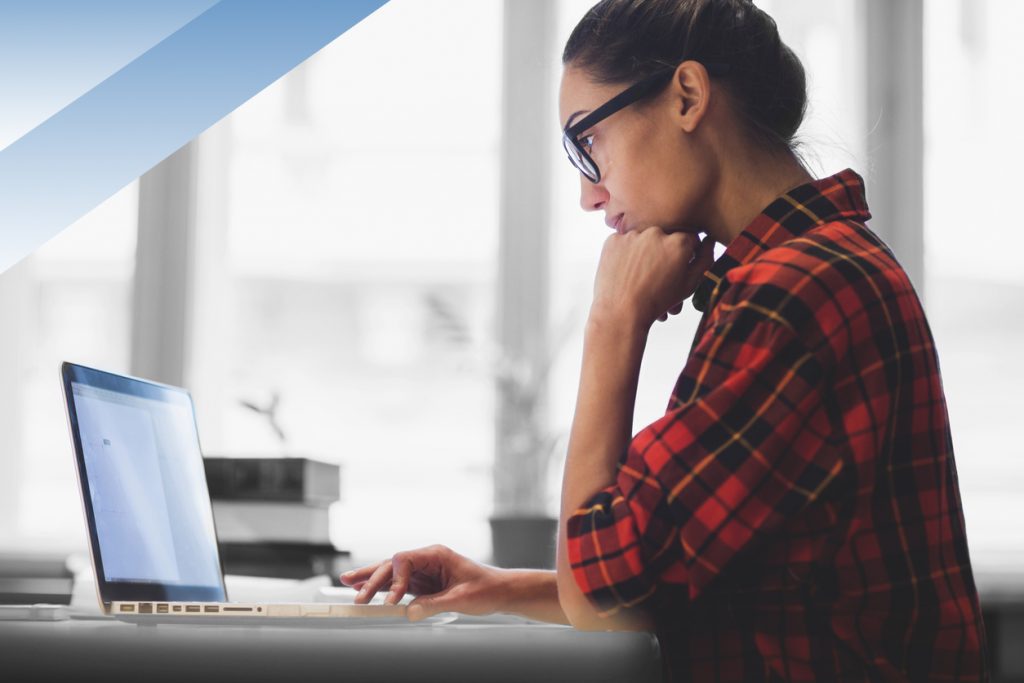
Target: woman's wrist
<point>531,593</point>
<point>618,321</point>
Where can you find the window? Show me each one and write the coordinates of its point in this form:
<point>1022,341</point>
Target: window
<point>70,300</point>
<point>356,279</point>
<point>973,239</point>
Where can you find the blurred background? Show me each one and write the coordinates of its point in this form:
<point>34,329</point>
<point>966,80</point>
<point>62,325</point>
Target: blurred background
<point>389,241</point>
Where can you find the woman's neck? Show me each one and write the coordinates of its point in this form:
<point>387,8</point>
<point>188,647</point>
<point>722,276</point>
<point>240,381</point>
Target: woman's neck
<point>746,187</point>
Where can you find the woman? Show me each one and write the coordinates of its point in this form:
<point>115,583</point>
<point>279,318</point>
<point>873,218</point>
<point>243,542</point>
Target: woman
<point>795,514</point>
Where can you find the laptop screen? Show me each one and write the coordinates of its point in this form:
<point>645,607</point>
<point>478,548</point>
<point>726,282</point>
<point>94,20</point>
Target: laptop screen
<point>144,489</point>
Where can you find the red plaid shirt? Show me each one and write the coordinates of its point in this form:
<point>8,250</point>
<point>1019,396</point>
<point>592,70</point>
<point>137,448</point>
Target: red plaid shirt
<point>795,515</point>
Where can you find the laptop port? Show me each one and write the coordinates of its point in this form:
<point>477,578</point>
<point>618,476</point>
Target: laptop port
<point>176,608</point>
<point>191,608</point>
<point>238,609</point>
<point>145,608</point>
<point>161,609</point>
<point>211,608</point>
<point>127,608</point>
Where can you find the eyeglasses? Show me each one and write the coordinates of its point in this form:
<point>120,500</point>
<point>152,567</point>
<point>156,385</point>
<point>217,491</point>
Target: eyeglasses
<point>579,152</point>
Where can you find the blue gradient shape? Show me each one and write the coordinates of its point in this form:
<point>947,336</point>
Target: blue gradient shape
<point>154,105</point>
<point>54,51</point>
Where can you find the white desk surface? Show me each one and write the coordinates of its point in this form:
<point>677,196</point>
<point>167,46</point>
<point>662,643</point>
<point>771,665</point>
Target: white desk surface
<point>113,651</point>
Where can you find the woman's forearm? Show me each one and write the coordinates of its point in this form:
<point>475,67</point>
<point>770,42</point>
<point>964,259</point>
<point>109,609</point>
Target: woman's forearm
<point>602,426</point>
<point>533,593</point>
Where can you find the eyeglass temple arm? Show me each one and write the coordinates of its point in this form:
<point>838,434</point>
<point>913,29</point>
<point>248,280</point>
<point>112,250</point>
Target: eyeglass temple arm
<point>634,93</point>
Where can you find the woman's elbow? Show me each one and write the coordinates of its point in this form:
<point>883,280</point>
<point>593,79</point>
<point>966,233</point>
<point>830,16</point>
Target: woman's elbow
<point>581,615</point>
<point>584,617</point>
<point>581,612</point>
<point>578,610</point>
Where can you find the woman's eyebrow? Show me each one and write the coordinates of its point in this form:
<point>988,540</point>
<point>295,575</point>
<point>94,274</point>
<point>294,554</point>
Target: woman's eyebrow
<point>568,122</point>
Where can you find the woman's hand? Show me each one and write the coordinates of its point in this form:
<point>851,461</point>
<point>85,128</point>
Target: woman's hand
<point>646,275</point>
<point>444,581</point>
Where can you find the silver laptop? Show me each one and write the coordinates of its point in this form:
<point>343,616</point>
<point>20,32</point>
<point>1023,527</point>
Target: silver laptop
<point>151,530</point>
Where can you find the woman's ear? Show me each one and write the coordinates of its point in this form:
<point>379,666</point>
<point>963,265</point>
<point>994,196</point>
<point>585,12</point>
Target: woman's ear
<point>691,94</point>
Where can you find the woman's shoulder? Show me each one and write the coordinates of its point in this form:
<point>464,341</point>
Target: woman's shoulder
<point>825,262</point>
<point>833,275</point>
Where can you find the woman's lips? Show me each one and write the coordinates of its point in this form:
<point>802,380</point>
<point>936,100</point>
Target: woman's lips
<point>615,223</point>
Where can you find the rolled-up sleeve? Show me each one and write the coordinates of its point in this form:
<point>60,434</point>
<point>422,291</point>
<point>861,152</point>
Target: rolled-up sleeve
<point>743,450</point>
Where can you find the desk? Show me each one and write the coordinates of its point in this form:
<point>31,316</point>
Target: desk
<point>112,651</point>
<point>1001,590</point>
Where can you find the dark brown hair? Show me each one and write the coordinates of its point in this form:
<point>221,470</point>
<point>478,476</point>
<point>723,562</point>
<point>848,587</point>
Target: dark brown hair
<point>622,41</point>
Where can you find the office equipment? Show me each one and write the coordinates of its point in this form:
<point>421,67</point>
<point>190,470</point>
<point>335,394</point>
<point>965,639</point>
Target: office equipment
<point>148,512</point>
<point>272,515</point>
<point>284,560</point>
<point>243,521</point>
<point>35,564</point>
<point>30,589</point>
<point>27,578</point>
<point>33,612</point>
<point>300,480</point>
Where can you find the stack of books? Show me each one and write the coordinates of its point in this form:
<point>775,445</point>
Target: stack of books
<point>27,579</point>
<point>272,516</point>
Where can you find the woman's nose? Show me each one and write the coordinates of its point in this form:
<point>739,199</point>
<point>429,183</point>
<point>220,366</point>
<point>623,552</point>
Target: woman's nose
<point>592,195</point>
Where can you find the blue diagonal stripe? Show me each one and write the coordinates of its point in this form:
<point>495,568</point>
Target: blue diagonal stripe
<point>54,51</point>
<point>154,105</point>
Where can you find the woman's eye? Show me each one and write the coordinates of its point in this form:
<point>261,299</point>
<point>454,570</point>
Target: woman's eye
<point>588,142</point>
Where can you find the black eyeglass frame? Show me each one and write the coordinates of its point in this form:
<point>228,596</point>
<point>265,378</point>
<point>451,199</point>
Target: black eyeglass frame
<point>634,93</point>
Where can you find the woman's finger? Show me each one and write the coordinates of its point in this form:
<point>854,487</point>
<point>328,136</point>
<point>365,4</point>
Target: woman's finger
<point>402,569</point>
<point>359,586</point>
<point>420,586</point>
<point>704,258</point>
<point>360,575</point>
<point>688,241</point>
<point>380,578</point>
<point>429,605</point>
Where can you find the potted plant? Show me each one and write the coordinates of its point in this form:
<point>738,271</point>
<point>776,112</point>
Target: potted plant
<point>523,528</point>
<point>524,523</point>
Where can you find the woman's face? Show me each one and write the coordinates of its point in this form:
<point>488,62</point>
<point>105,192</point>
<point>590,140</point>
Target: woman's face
<point>654,171</point>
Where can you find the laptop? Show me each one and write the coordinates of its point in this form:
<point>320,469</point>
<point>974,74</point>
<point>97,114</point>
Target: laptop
<point>152,538</point>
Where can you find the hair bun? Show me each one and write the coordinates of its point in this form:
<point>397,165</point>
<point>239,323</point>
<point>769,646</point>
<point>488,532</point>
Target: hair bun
<point>777,88</point>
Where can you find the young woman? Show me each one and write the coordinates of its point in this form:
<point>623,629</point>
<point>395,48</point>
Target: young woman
<point>795,514</point>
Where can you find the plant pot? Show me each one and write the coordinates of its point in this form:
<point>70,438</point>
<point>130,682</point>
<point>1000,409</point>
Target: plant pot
<point>523,542</point>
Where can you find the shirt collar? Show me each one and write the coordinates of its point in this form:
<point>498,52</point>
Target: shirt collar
<point>837,197</point>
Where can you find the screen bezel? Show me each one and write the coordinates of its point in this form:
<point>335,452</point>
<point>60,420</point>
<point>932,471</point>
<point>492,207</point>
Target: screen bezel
<point>113,591</point>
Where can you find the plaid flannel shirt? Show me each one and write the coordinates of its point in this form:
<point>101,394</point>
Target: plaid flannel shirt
<point>795,515</point>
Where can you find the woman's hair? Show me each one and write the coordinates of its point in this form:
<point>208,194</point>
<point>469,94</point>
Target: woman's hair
<point>622,41</point>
